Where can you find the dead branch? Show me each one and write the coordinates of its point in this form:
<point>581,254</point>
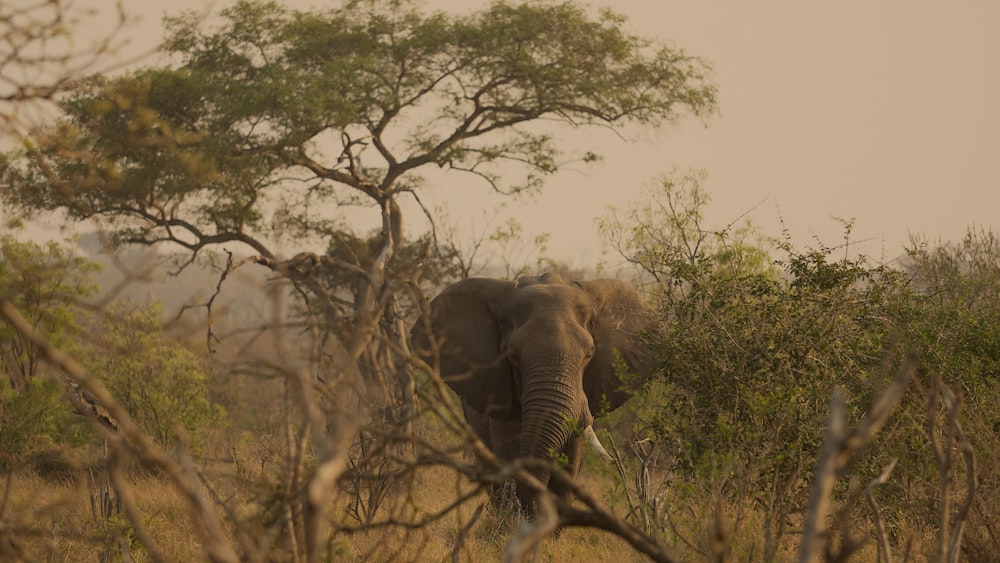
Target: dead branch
<point>131,508</point>
<point>838,454</point>
<point>530,534</point>
<point>950,539</point>
<point>885,554</point>
<point>464,532</point>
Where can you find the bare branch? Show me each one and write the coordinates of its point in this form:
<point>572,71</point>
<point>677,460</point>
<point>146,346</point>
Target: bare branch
<point>885,553</point>
<point>839,451</point>
<point>530,534</point>
<point>950,538</point>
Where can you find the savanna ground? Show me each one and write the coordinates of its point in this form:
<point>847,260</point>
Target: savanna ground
<point>73,532</point>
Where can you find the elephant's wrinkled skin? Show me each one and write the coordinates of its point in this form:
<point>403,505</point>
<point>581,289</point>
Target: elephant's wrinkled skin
<point>534,360</point>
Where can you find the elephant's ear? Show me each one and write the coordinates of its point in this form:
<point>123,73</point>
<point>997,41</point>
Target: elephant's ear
<point>622,318</point>
<point>468,336</point>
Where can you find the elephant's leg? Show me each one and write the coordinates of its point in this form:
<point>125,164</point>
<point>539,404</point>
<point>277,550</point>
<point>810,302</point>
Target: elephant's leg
<point>505,437</point>
<point>480,423</point>
<point>574,455</point>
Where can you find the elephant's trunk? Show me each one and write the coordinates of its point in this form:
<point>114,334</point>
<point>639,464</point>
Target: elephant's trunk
<point>550,413</point>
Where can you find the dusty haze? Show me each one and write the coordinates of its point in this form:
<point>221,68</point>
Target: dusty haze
<point>881,112</point>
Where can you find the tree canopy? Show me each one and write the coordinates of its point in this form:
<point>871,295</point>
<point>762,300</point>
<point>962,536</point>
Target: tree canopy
<point>271,113</point>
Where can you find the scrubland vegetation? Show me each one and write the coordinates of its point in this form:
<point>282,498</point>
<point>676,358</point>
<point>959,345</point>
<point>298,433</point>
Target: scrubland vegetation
<point>808,401</point>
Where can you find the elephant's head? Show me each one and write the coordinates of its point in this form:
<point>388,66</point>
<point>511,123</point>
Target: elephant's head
<point>540,350</point>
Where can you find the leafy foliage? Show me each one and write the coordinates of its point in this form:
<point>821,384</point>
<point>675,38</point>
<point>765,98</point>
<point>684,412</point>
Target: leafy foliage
<point>953,319</point>
<point>45,282</point>
<point>754,359</point>
<point>162,384</point>
<point>755,341</point>
<point>35,416</point>
<point>665,240</point>
<point>957,314</point>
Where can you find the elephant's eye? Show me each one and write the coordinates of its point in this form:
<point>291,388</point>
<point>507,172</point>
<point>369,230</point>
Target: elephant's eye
<point>512,358</point>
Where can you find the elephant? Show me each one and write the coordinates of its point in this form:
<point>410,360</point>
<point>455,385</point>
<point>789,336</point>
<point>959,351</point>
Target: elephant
<point>534,361</point>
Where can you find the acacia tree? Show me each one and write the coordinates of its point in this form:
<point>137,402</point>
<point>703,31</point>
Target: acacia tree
<point>270,126</point>
<point>275,118</point>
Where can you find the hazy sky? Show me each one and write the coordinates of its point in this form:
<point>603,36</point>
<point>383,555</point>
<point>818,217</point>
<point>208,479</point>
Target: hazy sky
<point>885,112</point>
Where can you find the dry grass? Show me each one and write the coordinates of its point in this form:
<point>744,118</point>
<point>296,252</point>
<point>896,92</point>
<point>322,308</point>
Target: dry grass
<point>58,524</point>
<point>50,517</point>
<point>56,521</point>
<point>63,527</point>
<point>52,520</point>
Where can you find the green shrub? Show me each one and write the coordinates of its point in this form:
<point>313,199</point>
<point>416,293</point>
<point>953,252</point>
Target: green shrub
<point>162,384</point>
<point>36,416</point>
<point>754,344</point>
<point>45,283</point>
<point>750,361</point>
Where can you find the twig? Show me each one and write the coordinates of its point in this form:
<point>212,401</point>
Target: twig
<point>464,531</point>
<point>950,539</point>
<point>530,535</point>
<point>885,554</point>
<point>131,508</point>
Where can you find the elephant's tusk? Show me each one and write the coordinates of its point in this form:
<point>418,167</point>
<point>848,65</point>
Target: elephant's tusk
<point>594,441</point>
